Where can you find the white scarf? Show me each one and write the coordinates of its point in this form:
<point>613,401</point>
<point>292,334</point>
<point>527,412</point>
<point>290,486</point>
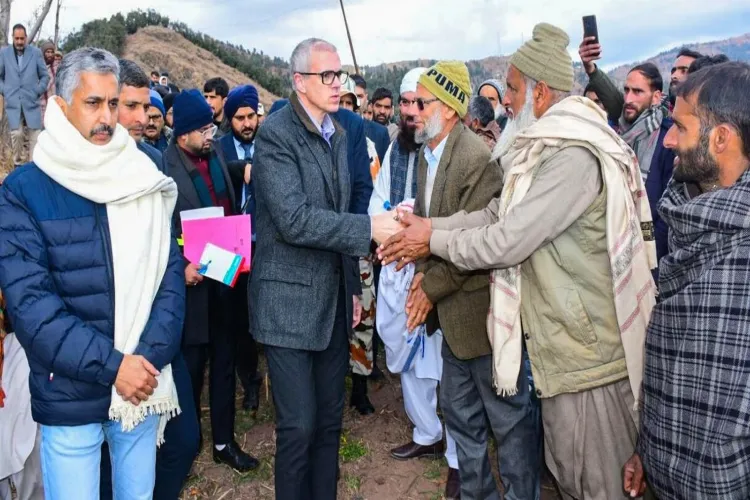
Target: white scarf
<point>139,201</point>
<point>579,122</point>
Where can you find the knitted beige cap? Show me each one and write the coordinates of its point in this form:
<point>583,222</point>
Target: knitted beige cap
<point>545,58</point>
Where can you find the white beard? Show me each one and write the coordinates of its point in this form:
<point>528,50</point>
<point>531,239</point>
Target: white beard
<point>499,111</point>
<point>432,128</point>
<point>515,125</point>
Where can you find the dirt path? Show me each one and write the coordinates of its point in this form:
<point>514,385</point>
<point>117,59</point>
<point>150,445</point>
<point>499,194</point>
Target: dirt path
<point>367,470</point>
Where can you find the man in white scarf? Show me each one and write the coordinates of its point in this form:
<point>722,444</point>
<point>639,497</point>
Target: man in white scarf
<point>95,286</point>
<point>570,240</point>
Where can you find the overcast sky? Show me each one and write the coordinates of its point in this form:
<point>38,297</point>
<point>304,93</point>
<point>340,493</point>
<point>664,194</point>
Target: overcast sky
<point>395,30</point>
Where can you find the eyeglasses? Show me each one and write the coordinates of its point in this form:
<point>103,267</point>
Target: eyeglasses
<point>209,132</point>
<point>154,118</point>
<point>327,77</point>
<point>421,103</point>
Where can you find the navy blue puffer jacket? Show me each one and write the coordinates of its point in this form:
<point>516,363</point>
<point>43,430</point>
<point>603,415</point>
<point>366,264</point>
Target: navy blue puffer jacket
<point>56,274</point>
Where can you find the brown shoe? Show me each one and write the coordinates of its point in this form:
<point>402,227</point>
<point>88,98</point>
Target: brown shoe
<point>414,450</point>
<point>453,485</point>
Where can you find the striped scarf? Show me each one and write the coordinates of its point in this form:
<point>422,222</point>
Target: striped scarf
<point>643,136</point>
<point>577,121</point>
<point>217,178</point>
<point>399,161</point>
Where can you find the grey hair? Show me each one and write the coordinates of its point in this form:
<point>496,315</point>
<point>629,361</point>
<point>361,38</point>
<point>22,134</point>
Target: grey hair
<point>301,55</point>
<point>557,95</point>
<point>84,60</point>
<point>481,109</point>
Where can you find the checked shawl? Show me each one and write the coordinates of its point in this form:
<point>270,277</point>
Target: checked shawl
<point>695,422</point>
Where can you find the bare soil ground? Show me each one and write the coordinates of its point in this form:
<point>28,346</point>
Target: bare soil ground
<point>367,470</point>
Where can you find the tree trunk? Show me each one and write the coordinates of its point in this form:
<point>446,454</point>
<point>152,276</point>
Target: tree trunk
<point>57,24</point>
<point>4,21</point>
<point>46,6</point>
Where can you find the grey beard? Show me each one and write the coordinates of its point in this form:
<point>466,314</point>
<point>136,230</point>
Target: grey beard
<point>515,125</point>
<point>499,111</point>
<point>432,129</point>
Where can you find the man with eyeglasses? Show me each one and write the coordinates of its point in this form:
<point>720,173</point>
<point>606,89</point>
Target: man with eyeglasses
<point>209,335</point>
<point>396,182</point>
<point>156,133</point>
<point>305,279</point>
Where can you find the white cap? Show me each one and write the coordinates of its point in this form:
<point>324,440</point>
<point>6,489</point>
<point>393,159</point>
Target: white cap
<point>349,87</point>
<point>261,110</point>
<point>409,83</point>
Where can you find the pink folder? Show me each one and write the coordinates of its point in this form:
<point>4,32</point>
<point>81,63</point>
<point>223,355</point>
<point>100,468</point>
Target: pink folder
<point>231,233</point>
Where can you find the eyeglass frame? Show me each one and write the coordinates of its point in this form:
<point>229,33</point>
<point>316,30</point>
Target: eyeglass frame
<point>421,103</point>
<point>204,133</point>
<point>150,119</point>
<point>336,74</point>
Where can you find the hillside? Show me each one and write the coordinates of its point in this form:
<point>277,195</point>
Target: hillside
<point>162,49</point>
<point>389,75</point>
<point>737,48</point>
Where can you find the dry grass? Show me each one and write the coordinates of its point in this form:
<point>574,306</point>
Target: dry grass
<point>189,66</point>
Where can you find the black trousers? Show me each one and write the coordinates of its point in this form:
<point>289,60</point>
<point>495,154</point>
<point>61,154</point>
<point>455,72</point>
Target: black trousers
<point>308,393</point>
<point>247,348</point>
<point>220,353</point>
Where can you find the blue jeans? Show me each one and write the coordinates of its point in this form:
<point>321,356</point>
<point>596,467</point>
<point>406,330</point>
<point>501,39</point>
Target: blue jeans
<point>175,457</point>
<point>71,458</point>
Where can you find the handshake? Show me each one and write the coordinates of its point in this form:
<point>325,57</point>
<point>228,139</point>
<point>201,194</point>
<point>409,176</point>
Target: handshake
<point>401,236</point>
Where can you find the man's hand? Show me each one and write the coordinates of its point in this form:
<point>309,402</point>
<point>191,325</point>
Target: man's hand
<point>136,379</point>
<point>384,226</point>
<point>409,245</point>
<point>357,312</point>
<point>418,306</point>
<point>192,276</point>
<point>634,480</point>
<point>248,172</point>
<point>589,51</point>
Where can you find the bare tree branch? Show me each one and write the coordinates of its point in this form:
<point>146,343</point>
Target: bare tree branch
<point>57,24</point>
<point>4,21</point>
<point>45,8</point>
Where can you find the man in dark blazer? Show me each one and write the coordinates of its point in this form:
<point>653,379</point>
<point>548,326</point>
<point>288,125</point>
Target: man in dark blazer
<point>23,81</point>
<point>240,118</point>
<point>301,286</point>
<point>203,180</point>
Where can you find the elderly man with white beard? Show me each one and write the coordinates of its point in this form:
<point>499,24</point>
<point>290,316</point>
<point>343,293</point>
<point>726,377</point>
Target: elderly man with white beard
<point>570,242</point>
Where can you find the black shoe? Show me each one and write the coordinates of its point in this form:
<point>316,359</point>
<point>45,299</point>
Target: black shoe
<point>359,398</point>
<point>453,485</point>
<point>234,457</point>
<point>377,374</point>
<point>251,400</point>
<point>413,450</point>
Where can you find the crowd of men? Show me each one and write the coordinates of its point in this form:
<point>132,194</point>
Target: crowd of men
<point>565,273</point>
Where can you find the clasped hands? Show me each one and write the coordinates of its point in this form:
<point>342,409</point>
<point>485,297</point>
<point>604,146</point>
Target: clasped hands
<point>136,379</point>
<point>403,238</point>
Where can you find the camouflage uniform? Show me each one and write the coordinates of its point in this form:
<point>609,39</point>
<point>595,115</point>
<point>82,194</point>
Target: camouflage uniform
<point>360,346</point>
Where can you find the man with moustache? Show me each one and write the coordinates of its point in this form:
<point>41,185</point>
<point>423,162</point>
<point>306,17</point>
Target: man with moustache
<point>95,292</point>
<point>210,333</point>
<point>571,247</point>
<point>642,120</point>
<point>156,133</point>
<point>694,433</point>
<point>382,110</point>
<point>396,182</point>
<point>493,90</point>
<point>241,114</point>
<point>133,106</point>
